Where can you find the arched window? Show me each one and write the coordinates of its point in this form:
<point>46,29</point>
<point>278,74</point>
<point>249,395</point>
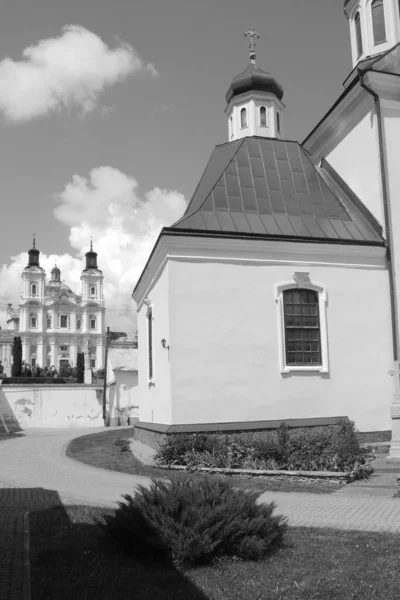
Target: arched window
<point>92,322</point>
<point>278,122</point>
<point>243,118</point>
<point>378,22</point>
<point>48,320</point>
<point>150,341</point>
<point>33,289</point>
<point>263,116</point>
<point>92,290</point>
<point>357,23</point>
<point>302,327</point>
<point>78,323</point>
<point>33,320</point>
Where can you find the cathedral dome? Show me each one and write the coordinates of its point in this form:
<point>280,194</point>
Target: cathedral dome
<point>254,79</point>
<point>55,274</point>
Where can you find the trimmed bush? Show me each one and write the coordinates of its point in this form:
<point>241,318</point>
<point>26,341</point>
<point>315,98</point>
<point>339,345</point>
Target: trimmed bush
<point>194,522</point>
<point>16,369</point>
<point>334,448</point>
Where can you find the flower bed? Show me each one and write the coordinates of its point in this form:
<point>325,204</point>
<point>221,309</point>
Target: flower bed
<point>333,449</point>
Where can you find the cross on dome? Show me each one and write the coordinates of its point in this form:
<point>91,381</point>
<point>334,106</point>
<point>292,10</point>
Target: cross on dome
<point>252,34</point>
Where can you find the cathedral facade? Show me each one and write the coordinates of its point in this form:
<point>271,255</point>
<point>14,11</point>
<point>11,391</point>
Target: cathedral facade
<point>55,323</point>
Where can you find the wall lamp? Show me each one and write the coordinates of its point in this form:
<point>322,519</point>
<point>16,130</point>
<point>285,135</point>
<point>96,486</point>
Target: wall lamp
<point>164,344</point>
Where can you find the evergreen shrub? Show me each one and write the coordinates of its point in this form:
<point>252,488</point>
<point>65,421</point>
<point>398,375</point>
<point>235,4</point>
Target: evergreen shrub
<point>80,367</point>
<point>194,522</point>
<point>16,370</point>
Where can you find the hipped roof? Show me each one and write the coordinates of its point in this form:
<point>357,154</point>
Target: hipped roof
<point>270,187</point>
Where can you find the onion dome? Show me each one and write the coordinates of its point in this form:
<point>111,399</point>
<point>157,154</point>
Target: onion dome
<point>91,258</point>
<point>33,255</point>
<point>55,274</point>
<point>254,79</point>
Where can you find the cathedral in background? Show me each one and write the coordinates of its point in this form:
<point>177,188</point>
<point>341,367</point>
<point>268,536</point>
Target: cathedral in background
<point>53,322</point>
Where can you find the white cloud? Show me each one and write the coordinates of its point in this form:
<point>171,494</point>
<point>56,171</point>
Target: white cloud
<point>64,72</point>
<point>124,226</point>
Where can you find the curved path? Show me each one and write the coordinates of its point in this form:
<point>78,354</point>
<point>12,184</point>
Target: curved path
<point>36,459</point>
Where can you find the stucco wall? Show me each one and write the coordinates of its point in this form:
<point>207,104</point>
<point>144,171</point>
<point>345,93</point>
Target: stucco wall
<point>356,160</point>
<point>224,351</point>
<point>123,396</point>
<point>51,406</point>
<point>155,399</point>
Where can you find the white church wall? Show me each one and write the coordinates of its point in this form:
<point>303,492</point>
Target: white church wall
<point>51,406</point>
<point>391,126</point>
<point>155,396</point>
<point>356,160</point>
<point>225,346</point>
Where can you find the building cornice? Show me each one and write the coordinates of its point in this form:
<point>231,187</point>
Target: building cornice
<point>351,107</point>
<point>261,251</point>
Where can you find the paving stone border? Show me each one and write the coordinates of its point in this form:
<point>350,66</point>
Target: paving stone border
<point>298,476</point>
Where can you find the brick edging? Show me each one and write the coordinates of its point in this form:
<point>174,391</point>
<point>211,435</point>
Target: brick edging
<point>26,582</point>
<point>319,475</point>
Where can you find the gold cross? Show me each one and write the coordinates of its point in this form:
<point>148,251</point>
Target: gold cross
<point>252,34</point>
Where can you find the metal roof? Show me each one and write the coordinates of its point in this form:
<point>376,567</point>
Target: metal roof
<point>270,187</point>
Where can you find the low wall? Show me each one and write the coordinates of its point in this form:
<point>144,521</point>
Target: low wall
<point>68,405</point>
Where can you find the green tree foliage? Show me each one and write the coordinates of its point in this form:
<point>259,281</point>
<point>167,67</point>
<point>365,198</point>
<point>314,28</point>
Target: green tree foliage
<point>80,367</point>
<point>17,357</point>
<point>194,522</point>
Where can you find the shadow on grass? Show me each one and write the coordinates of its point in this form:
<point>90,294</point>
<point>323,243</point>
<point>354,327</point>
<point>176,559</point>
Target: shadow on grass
<point>70,559</point>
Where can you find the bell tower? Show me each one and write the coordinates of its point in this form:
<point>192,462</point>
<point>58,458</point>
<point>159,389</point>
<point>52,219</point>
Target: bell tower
<point>254,100</point>
<point>92,279</point>
<point>374,27</point>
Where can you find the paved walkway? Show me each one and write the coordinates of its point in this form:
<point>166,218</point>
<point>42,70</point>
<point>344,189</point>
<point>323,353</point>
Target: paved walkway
<point>34,473</point>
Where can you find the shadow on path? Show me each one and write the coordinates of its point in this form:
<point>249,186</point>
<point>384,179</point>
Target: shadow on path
<point>68,556</point>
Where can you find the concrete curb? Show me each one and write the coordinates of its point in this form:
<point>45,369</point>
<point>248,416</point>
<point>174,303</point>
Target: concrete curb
<point>338,477</point>
<point>26,583</point>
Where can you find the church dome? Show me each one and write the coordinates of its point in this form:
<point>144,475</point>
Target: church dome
<point>254,79</point>
<point>55,274</point>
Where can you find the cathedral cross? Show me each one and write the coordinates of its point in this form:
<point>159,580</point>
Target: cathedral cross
<point>252,34</point>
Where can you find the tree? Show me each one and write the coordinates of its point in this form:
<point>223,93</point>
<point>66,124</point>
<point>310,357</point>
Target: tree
<point>80,367</point>
<point>17,357</point>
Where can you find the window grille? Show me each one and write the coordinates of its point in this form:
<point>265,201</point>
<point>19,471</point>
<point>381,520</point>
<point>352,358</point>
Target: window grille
<point>302,327</point>
<point>378,22</point>
<point>357,23</point>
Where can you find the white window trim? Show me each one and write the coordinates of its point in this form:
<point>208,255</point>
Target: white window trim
<point>302,280</point>
<point>150,308</point>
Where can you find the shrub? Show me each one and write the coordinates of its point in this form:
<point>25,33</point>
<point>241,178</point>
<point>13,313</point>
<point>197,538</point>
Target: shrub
<point>80,367</point>
<point>194,522</point>
<point>17,357</point>
<point>333,448</point>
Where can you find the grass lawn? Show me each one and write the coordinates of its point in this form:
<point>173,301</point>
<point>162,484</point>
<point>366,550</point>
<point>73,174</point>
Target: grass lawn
<point>69,561</point>
<point>100,450</point>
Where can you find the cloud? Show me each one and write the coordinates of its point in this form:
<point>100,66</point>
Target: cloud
<point>69,71</point>
<point>124,225</point>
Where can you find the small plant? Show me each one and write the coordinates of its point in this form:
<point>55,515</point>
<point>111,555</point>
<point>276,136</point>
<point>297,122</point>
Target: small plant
<point>123,444</point>
<point>194,522</point>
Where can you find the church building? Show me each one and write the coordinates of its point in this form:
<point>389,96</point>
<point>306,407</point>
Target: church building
<point>53,322</point>
<point>276,297</point>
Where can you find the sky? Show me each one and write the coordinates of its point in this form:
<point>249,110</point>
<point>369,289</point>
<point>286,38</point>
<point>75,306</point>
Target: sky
<point>110,109</point>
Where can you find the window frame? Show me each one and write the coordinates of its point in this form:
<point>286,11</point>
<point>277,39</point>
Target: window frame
<point>92,293</point>
<point>150,344</point>
<point>33,316</point>
<point>263,116</point>
<point>92,318</point>
<point>302,282</point>
<point>278,122</point>
<point>382,4</point>
<point>61,321</point>
<point>34,293</point>
<point>243,111</point>
<point>358,34</point>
